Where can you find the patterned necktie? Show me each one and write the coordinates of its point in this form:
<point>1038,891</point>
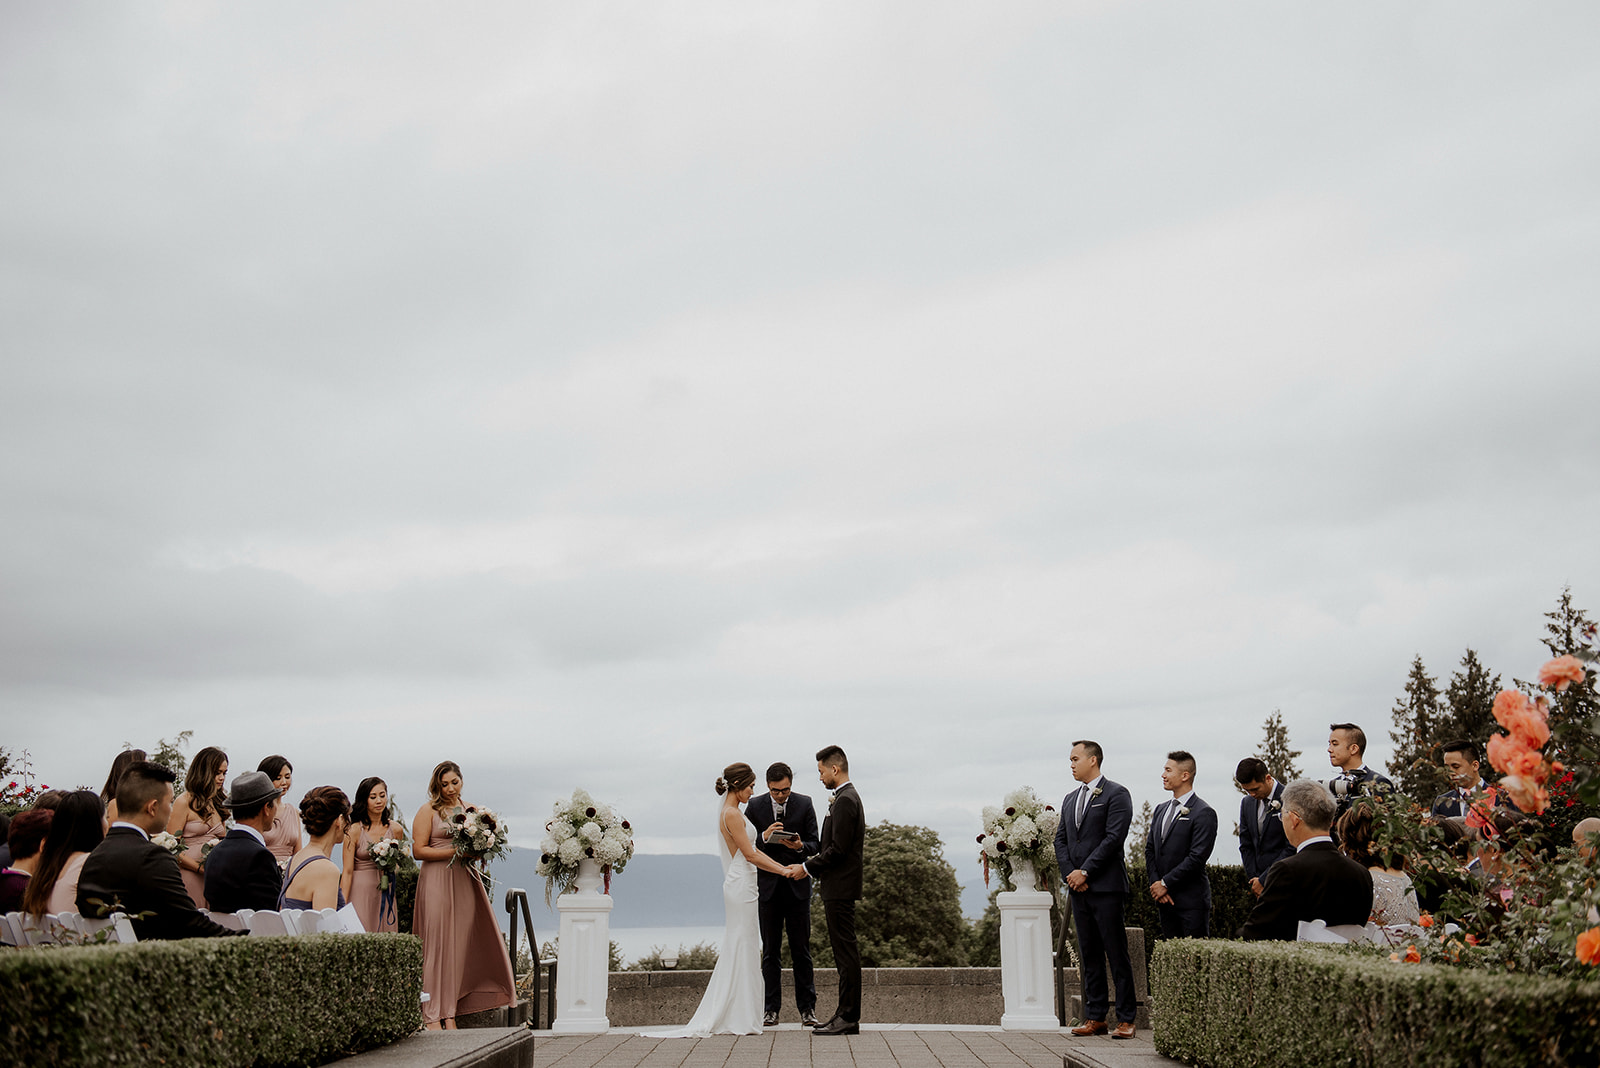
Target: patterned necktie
<point>1261,817</point>
<point>1083,805</point>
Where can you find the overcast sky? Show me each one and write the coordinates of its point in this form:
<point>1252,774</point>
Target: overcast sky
<point>600,394</point>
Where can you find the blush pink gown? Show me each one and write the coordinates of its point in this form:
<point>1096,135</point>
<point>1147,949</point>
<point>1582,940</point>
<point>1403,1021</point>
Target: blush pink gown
<point>283,838</point>
<point>364,893</point>
<point>196,833</point>
<point>464,964</point>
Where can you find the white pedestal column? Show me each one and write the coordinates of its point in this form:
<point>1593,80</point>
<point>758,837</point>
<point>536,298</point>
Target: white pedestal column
<point>583,959</point>
<point>1025,976</point>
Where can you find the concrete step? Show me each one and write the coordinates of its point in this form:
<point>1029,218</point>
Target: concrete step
<point>478,1047</point>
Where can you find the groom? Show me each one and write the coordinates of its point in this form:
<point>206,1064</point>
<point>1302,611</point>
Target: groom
<point>837,867</point>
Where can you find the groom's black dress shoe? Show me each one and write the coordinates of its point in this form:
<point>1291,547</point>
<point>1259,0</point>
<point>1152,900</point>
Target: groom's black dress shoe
<point>769,1019</point>
<point>809,1019</point>
<point>837,1026</point>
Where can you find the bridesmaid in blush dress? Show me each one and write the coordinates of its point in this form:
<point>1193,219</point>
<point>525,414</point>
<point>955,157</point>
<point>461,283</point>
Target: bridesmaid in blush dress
<point>284,837</point>
<point>464,964</point>
<point>197,816</point>
<point>370,822</point>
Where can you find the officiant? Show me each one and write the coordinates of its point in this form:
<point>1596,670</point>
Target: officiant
<point>786,823</point>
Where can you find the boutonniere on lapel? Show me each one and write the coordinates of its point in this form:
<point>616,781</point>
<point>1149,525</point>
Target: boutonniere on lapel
<point>1095,792</point>
<point>1275,808</point>
<point>1183,813</point>
<point>831,799</point>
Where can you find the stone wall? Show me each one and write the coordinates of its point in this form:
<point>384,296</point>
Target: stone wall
<point>897,995</point>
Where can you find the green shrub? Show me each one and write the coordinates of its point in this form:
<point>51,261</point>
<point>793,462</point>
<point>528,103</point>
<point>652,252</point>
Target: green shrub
<point>210,1001</point>
<point>1263,1004</point>
<point>1231,902</point>
<point>405,897</point>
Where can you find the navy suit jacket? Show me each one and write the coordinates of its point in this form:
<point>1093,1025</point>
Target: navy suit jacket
<point>241,873</point>
<point>800,816</point>
<point>1448,804</point>
<point>1096,847</point>
<point>1259,850</point>
<point>1179,858</point>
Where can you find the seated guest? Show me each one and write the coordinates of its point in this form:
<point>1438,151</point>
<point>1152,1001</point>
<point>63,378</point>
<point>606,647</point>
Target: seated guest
<point>1317,883</point>
<point>1182,834</point>
<point>325,812</point>
<point>283,837</point>
<point>26,839</point>
<point>1394,899</point>
<point>241,872</point>
<point>129,873</point>
<point>1347,751</point>
<point>1261,840</point>
<point>77,828</point>
<point>108,793</point>
<point>1586,837</point>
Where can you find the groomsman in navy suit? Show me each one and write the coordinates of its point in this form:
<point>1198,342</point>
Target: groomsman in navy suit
<point>1181,838</point>
<point>1261,840</point>
<point>1089,845</point>
<point>1462,764</point>
<point>787,825</point>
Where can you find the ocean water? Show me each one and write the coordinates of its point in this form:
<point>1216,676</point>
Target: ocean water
<point>636,942</point>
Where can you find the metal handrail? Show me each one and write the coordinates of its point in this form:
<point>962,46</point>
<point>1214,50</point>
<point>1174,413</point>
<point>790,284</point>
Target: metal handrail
<point>518,897</point>
<point>1063,954</point>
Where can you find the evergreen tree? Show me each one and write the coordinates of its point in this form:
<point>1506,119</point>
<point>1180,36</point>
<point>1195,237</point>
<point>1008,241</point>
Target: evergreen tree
<point>1140,832</point>
<point>1274,750</point>
<point>909,914</point>
<point>1418,718</point>
<point>1570,632</point>
<point>1469,704</point>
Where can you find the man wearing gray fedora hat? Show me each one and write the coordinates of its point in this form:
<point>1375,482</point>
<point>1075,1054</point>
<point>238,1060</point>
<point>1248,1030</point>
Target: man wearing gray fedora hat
<point>241,872</point>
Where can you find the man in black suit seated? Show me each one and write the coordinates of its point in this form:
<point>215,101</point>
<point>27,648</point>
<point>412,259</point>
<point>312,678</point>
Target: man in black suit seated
<point>837,868</point>
<point>1089,842</point>
<point>1182,835</point>
<point>787,824</point>
<point>241,872</point>
<point>1318,882</point>
<point>1347,751</point>
<point>128,873</point>
<point>1261,840</point>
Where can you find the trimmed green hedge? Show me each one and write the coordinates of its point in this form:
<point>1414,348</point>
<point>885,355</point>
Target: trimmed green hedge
<point>1231,902</point>
<point>1264,1004</point>
<point>209,1002</point>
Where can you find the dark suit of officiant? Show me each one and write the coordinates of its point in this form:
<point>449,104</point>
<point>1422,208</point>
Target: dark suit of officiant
<point>129,873</point>
<point>241,873</point>
<point>786,903</point>
<point>1317,883</point>
<point>1175,853</point>
<point>1093,842</point>
<point>837,867</point>
<point>1261,840</point>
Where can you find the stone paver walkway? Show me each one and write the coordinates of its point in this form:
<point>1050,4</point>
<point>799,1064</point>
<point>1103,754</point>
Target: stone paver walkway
<point>878,1046</point>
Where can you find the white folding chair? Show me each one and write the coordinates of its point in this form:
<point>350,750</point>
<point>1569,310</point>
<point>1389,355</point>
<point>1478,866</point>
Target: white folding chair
<point>10,936</point>
<point>37,932</point>
<point>267,923</point>
<point>230,920</point>
<point>320,921</point>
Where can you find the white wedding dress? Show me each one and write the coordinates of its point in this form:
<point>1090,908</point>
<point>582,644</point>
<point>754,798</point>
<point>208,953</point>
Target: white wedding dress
<point>733,1001</point>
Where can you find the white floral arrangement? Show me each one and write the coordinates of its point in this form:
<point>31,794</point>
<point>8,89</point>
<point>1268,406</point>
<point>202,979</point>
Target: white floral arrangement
<point>582,828</point>
<point>1021,828</point>
<point>168,841</point>
<point>478,835</point>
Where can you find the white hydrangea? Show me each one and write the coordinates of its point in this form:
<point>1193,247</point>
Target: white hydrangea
<point>1048,821</point>
<point>570,852</point>
<point>1023,831</point>
<point>562,831</point>
<point>549,845</point>
<point>991,846</point>
<point>991,819</point>
<point>591,831</point>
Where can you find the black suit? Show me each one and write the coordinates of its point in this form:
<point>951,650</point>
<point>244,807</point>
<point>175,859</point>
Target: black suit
<point>241,873</point>
<point>128,873</point>
<point>1317,883</point>
<point>786,903</point>
<point>1262,845</point>
<point>1178,858</point>
<point>837,867</point>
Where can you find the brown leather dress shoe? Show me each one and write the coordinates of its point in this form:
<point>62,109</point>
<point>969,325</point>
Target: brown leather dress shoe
<point>1125,1029</point>
<point>1090,1027</point>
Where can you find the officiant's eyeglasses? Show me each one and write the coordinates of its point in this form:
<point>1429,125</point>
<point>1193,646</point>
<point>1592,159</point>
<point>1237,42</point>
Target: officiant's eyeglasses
<point>780,791</point>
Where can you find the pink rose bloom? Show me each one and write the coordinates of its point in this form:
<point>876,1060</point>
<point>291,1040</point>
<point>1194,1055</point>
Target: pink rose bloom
<point>1507,705</point>
<point>1526,794</point>
<point>1561,672</point>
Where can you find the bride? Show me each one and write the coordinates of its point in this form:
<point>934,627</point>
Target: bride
<point>732,1003</point>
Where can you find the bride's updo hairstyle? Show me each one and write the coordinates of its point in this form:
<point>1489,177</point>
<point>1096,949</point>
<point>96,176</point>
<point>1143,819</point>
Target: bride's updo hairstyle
<point>735,777</point>
<point>321,807</point>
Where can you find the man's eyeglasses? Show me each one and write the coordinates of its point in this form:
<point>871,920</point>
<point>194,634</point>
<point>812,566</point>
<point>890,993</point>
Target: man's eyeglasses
<point>777,791</point>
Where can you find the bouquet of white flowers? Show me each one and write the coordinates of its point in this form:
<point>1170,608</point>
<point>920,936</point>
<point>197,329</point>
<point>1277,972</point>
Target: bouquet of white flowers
<point>385,854</point>
<point>478,835</point>
<point>172,843</point>
<point>582,828</point>
<point>1023,828</point>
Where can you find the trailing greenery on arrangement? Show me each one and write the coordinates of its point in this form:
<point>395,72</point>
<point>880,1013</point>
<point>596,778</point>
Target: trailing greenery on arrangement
<point>210,1002</point>
<point>1266,1004</point>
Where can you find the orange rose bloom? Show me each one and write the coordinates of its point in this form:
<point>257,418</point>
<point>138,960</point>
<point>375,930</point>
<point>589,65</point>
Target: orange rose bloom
<point>1425,921</point>
<point>1507,703</point>
<point>1589,946</point>
<point>1561,672</point>
<point>1412,956</point>
<point>1526,794</point>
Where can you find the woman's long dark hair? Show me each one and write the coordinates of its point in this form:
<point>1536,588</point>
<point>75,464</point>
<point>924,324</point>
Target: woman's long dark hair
<point>118,767</point>
<point>273,766</point>
<point>201,781</point>
<point>78,827</point>
<point>363,794</point>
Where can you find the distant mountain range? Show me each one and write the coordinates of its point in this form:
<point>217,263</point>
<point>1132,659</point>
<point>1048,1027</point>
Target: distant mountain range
<point>656,890</point>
